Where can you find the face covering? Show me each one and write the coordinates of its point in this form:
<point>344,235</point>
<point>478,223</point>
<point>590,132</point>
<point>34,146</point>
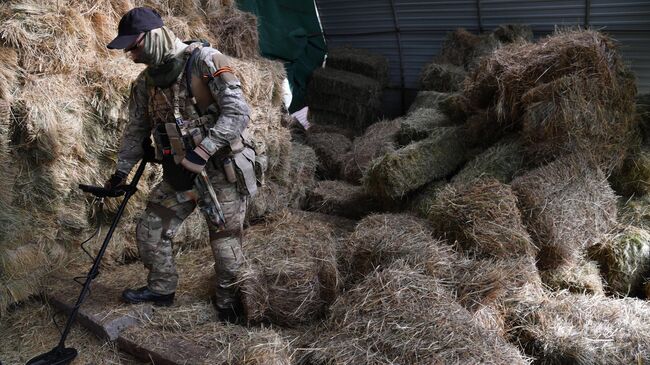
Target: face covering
<point>161,48</point>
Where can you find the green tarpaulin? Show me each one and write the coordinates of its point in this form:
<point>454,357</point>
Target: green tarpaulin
<point>290,32</point>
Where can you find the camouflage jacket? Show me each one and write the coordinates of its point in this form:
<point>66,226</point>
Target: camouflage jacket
<point>224,99</point>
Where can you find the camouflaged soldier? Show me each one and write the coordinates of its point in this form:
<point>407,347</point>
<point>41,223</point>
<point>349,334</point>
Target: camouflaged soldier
<point>190,101</point>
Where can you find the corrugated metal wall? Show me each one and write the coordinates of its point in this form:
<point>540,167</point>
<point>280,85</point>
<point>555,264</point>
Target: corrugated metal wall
<point>418,27</point>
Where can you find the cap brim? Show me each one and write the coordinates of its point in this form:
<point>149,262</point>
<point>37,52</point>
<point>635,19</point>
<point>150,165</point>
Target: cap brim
<point>122,41</point>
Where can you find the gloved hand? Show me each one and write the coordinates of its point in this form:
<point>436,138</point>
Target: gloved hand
<point>195,160</point>
<point>117,180</point>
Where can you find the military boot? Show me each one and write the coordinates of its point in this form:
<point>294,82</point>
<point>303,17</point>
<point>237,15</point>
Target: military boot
<point>232,312</point>
<point>143,295</point>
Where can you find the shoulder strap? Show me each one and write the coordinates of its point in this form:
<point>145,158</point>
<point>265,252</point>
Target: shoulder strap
<point>188,79</point>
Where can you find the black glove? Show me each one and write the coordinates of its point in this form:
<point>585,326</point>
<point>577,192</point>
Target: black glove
<point>195,160</point>
<point>117,180</point>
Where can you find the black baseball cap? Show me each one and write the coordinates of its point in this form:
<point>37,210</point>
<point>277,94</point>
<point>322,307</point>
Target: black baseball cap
<point>136,21</point>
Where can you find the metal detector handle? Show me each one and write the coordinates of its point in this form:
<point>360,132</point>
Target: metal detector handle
<point>101,192</point>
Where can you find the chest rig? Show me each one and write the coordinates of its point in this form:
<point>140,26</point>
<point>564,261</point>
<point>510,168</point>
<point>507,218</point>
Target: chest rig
<point>177,122</point>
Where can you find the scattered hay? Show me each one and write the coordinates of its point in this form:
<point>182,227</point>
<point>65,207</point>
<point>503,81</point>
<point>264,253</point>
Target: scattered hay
<point>397,173</point>
<point>427,100</point>
<point>567,206</point>
<point>583,329</point>
<point>441,77</point>
<point>633,178</point>
<point>377,140</point>
<point>359,61</point>
<point>234,32</point>
<point>483,218</point>
<point>340,198</point>
<point>399,313</point>
<point>291,273</point>
<point>503,161</point>
<point>582,277</point>
<point>419,124</point>
<point>381,239</point>
<point>330,149</point>
<point>625,261</point>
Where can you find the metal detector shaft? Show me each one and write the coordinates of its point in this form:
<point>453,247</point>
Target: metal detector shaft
<point>60,350</point>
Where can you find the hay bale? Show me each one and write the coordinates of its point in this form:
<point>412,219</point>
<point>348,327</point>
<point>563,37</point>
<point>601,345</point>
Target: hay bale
<point>381,239</point>
<point>582,277</point>
<point>291,275</point>
<point>397,173</point>
<point>583,329</point>
<point>511,33</point>
<point>506,75</point>
<point>420,203</point>
<point>567,206</point>
<point>419,124</point>
<point>441,77</point>
<point>362,114</point>
<point>456,107</point>
<point>643,112</point>
<point>340,198</point>
<point>399,313</point>
<point>574,114</point>
<point>235,32</point>
<point>377,140</point>
<point>502,161</point>
<point>633,178</point>
<point>482,129</point>
<point>330,149</point>
<point>427,100</point>
<point>359,61</point>
<point>625,261</point>
<point>321,119</point>
<point>482,216</point>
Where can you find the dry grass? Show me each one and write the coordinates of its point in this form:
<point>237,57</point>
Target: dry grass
<point>234,32</point>
<point>419,124</point>
<point>633,178</point>
<point>482,216</point>
<point>359,61</point>
<point>378,139</point>
<point>340,198</point>
<point>582,277</point>
<point>404,170</point>
<point>330,149</point>
<point>583,329</point>
<point>291,273</point>
<point>458,48</point>
<point>427,100</point>
<point>399,313</point>
<point>567,207</point>
<point>503,161</point>
<point>441,77</point>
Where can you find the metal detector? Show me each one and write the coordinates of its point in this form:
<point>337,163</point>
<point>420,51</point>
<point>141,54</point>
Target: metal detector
<point>61,355</point>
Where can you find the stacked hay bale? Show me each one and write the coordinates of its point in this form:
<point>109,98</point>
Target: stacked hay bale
<point>291,274</point>
<point>62,105</point>
<point>348,91</point>
<point>341,198</point>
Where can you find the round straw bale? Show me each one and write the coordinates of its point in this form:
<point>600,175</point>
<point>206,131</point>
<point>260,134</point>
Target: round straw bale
<point>397,173</point>
<point>502,161</point>
<point>330,149</point>
<point>359,61</point>
<point>567,206</point>
<point>340,198</point>
<point>441,77</point>
<point>402,315</point>
<point>633,178</point>
<point>381,239</point>
<point>582,277</point>
<point>419,124</point>
<point>511,33</point>
<point>582,329</point>
<point>291,272</point>
<point>574,114</point>
<point>377,140</point>
<point>456,107</point>
<point>482,216</point>
<point>427,100</point>
<point>234,32</point>
<point>625,261</point>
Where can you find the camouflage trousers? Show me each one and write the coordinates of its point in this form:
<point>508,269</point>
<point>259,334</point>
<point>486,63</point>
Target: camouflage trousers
<point>166,210</point>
